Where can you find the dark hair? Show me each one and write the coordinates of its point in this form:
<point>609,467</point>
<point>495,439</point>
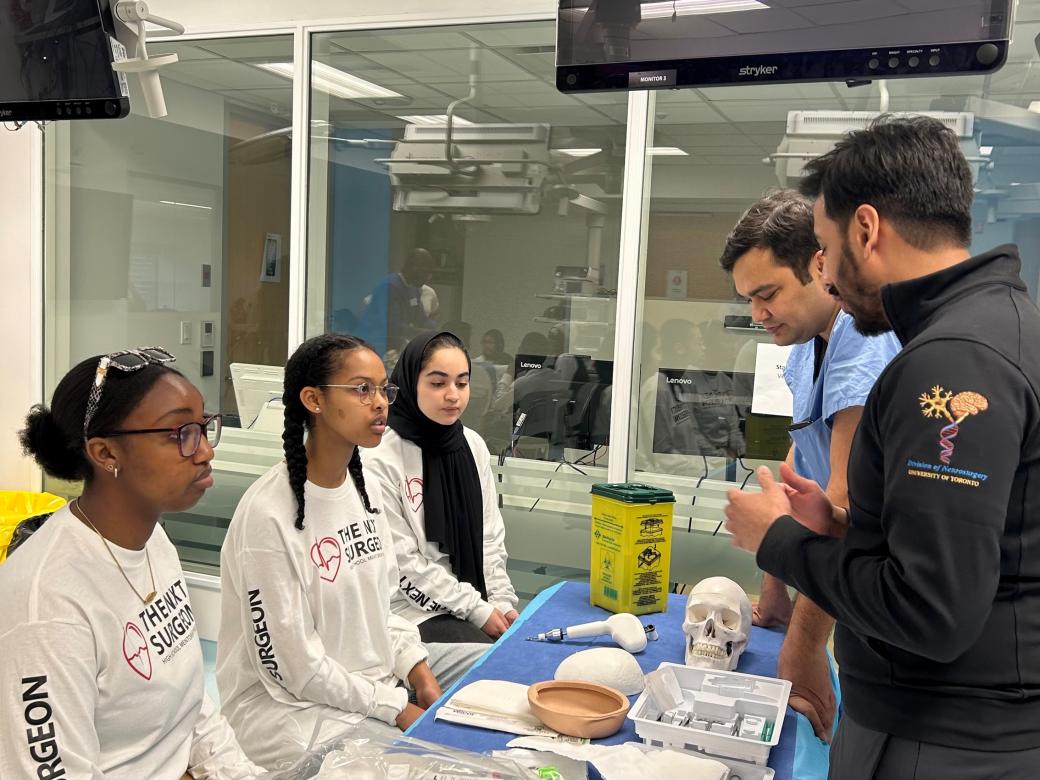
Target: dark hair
<point>781,222</point>
<point>54,437</point>
<point>534,343</point>
<point>312,364</point>
<point>911,169</point>
<point>496,335</point>
<point>441,341</point>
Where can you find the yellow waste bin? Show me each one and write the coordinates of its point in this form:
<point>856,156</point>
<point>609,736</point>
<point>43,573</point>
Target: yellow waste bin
<point>17,505</point>
<point>631,547</point>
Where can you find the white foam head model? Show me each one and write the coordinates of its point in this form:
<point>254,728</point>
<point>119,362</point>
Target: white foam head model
<point>610,666</point>
<point>717,625</point>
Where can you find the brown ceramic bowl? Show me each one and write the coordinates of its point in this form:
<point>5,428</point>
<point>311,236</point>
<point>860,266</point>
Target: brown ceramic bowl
<point>578,709</point>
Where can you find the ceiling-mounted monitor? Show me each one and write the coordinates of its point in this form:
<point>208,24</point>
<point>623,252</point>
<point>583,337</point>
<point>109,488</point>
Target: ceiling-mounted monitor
<point>56,62</point>
<point>655,44</point>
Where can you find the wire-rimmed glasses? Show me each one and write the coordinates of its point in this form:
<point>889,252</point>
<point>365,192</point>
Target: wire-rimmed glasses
<point>366,391</point>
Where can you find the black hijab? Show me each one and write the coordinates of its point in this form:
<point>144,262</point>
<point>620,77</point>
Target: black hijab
<point>453,504</point>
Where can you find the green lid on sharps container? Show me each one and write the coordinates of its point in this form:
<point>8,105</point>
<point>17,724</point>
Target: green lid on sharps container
<point>633,493</point>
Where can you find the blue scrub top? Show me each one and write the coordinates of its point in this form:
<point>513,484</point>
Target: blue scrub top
<point>850,367</point>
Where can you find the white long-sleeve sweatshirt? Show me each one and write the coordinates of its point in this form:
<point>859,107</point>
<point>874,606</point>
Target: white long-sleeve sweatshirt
<point>428,585</point>
<point>94,684</point>
<point>306,629</point>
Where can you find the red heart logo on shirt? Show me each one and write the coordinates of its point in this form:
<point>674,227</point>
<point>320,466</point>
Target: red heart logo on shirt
<point>413,490</point>
<point>135,651</point>
<point>326,555</point>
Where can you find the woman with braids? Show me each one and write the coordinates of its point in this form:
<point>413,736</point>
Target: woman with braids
<point>100,665</point>
<point>440,500</point>
<point>308,569</point>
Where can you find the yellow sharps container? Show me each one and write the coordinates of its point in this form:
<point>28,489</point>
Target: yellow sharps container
<point>631,547</point>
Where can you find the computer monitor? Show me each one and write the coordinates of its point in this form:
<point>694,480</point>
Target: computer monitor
<point>56,62</point>
<point>563,398</point>
<point>255,387</point>
<point>709,413</point>
<point>649,44</point>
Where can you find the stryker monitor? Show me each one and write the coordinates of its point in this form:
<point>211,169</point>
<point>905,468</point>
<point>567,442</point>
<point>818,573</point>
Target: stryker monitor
<point>56,62</point>
<point>648,44</point>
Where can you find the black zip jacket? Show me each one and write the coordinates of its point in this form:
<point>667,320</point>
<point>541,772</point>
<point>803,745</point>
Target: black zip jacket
<point>936,586</point>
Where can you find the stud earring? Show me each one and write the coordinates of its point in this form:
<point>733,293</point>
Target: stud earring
<point>317,409</point>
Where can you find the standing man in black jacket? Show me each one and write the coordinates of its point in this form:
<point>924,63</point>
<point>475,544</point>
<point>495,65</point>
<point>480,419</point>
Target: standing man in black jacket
<point>936,583</point>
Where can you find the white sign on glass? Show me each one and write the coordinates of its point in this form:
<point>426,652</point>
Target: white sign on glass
<point>771,394</point>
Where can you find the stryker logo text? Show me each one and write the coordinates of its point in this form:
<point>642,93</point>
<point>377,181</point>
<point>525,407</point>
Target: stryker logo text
<point>758,70</point>
<point>43,747</point>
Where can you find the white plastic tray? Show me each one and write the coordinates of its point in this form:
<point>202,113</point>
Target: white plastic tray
<point>716,696</point>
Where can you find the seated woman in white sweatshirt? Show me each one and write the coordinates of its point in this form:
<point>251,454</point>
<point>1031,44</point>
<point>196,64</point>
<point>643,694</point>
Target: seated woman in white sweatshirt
<point>440,499</point>
<point>308,570</point>
<point>100,664</point>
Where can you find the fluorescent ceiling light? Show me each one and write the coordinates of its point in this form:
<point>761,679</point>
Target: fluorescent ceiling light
<point>186,205</point>
<point>1035,106</point>
<point>437,120</point>
<point>985,151</point>
<point>334,81</point>
<point>695,7</point>
<point>657,151</point>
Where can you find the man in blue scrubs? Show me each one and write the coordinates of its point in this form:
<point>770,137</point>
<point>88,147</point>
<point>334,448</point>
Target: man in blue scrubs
<point>774,259</point>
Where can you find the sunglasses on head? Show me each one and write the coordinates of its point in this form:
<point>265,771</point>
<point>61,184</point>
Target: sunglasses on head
<point>127,361</point>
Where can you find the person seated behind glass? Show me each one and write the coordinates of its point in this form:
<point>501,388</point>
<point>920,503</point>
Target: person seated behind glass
<point>395,312</point>
<point>493,350</point>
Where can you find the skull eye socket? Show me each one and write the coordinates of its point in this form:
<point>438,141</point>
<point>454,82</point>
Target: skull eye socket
<point>698,613</point>
<point>729,619</point>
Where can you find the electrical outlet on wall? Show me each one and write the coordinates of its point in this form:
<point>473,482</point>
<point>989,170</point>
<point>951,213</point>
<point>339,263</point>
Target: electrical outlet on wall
<point>185,332</point>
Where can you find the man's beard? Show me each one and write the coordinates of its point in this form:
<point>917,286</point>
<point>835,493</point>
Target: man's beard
<point>862,302</point>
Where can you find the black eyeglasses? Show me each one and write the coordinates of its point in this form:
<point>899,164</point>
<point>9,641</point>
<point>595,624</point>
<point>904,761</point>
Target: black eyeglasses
<point>189,435</point>
<point>367,391</point>
<point>127,361</point>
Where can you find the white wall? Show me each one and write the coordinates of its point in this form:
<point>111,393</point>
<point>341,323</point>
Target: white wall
<point>20,299</point>
<point>207,15</point>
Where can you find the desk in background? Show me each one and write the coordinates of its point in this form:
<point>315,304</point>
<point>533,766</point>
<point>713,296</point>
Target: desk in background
<point>798,756</point>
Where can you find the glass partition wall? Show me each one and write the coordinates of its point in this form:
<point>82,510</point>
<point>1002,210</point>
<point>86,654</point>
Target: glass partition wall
<point>175,232</point>
<point>714,152</point>
<point>452,186</point>
<point>509,226</point>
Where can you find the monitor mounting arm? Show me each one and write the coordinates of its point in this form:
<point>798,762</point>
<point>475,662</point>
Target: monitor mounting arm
<point>130,16</point>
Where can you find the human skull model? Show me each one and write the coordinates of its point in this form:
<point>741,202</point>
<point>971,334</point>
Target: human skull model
<point>717,625</point>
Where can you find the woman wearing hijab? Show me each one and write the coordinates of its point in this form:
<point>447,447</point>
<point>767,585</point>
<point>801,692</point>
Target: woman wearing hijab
<point>439,497</point>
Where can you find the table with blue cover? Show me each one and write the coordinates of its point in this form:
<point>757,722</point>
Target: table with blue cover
<point>798,756</point>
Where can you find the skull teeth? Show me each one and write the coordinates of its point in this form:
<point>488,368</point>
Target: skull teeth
<point>709,651</point>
